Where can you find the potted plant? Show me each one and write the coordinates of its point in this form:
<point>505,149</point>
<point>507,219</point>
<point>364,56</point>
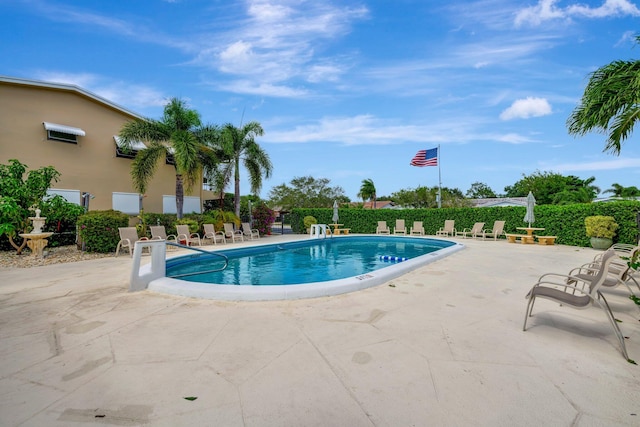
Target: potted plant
<point>308,220</point>
<point>601,230</point>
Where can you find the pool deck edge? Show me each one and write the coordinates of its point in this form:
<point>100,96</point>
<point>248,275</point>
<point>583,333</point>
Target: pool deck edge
<point>172,286</point>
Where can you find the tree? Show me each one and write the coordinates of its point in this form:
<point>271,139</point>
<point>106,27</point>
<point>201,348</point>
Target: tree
<point>480,190</point>
<point>181,136</point>
<point>426,197</point>
<point>554,188</point>
<point>368,191</point>
<point>610,103</point>
<point>19,195</point>
<point>306,192</point>
<point>625,192</point>
<point>238,145</point>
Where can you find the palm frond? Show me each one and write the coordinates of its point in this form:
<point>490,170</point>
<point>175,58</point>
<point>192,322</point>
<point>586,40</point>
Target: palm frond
<point>609,103</point>
<point>145,164</point>
<point>143,130</point>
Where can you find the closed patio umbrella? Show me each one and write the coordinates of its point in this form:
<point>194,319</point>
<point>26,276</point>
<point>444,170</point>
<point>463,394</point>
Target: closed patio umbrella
<point>531,202</point>
<point>335,212</point>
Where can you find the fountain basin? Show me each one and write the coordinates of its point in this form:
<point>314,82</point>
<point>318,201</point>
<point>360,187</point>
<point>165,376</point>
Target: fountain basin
<point>36,242</point>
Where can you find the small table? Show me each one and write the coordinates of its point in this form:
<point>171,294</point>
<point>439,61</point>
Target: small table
<point>529,236</point>
<point>336,227</point>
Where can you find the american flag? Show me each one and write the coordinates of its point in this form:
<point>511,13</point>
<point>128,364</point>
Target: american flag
<point>425,158</point>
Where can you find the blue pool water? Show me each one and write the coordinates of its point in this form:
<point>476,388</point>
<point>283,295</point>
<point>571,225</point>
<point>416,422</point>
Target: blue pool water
<point>302,262</point>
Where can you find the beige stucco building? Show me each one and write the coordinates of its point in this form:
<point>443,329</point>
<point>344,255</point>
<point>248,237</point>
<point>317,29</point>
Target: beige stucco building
<point>71,129</point>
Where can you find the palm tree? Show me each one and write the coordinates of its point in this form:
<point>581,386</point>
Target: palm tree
<point>179,135</point>
<point>368,191</point>
<point>625,192</point>
<point>610,103</point>
<point>577,191</point>
<point>236,145</point>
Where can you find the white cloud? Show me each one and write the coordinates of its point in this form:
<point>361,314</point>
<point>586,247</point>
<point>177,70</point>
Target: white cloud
<point>82,80</point>
<point>279,39</point>
<point>366,129</point>
<point>513,138</point>
<point>615,164</point>
<point>608,8</point>
<point>526,108</point>
<point>627,36</point>
<point>324,72</point>
<point>250,87</point>
<point>547,10</point>
<point>543,11</point>
<point>125,94</point>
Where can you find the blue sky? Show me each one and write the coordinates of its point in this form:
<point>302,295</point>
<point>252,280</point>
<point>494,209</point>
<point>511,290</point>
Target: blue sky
<point>350,90</point>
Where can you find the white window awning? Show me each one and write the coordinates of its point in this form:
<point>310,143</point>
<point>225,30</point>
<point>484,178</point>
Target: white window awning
<point>135,145</point>
<point>64,129</point>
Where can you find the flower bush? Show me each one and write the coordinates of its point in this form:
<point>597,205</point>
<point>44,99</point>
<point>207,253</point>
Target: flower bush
<point>263,219</point>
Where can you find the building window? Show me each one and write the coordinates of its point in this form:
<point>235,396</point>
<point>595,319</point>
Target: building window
<point>123,152</point>
<point>128,152</point>
<point>61,136</point>
<point>170,160</point>
<point>63,133</point>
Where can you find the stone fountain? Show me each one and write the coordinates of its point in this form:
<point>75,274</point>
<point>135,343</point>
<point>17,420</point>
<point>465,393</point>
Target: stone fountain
<point>37,240</point>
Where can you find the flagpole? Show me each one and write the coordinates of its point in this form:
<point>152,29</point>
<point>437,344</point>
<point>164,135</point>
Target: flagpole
<point>439,180</point>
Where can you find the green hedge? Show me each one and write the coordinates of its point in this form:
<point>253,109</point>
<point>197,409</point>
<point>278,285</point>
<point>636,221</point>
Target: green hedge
<point>564,221</point>
<point>99,230</point>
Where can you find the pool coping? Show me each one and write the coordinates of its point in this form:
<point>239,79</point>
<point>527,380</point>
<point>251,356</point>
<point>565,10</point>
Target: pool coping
<point>222,292</point>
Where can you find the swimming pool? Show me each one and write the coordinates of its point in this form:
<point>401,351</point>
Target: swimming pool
<point>302,269</point>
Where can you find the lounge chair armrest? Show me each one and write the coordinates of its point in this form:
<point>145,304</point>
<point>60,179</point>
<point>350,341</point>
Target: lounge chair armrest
<point>570,284</point>
<point>588,268</point>
<point>567,286</point>
<point>563,279</point>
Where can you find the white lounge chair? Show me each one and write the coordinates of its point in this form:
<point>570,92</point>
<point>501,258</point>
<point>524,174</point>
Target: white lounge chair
<point>382,228</point>
<point>417,229</point>
<point>497,230</point>
<point>250,233</point>
<point>128,238</point>
<point>475,231</point>
<point>618,273</point>
<point>448,229</point>
<point>400,228</point>
<point>576,292</point>
<point>210,233</point>
<point>185,236</point>
<point>158,232</point>
<point>231,233</point>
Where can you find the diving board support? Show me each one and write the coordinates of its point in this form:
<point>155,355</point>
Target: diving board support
<point>158,249</point>
<point>317,231</point>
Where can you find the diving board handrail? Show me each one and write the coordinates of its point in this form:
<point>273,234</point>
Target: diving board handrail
<point>141,276</point>
<point>201,252</point>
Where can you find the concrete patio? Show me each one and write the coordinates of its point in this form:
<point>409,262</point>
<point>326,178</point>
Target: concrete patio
<point>440,346</point>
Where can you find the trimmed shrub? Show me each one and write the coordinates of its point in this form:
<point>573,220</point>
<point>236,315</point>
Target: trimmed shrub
<point>99,230</point>
<point>308,221</point>
<point>564,221</point>
<point>600,226</point>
